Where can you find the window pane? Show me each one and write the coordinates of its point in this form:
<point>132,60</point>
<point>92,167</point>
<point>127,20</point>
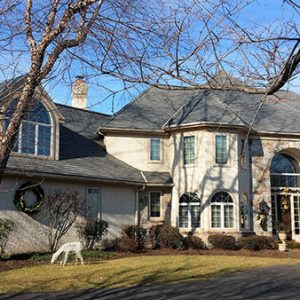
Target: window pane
<point>93,203</point>
<point>189,150</point>
<point>228,216</point>
<point>215,216</point>
<point>155,204</point>
<point>28,138</point>
<point>221,149</point>
<point>183,216</point>
<point>44,139</point>
<point>155,149</point>
<point>195,213</point>
<point>16,137</point>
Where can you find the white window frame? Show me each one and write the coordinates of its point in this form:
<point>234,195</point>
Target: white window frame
<point>222,205</point>
<point>189,205</point>
<point>99,204</point>
<point>160,205</point>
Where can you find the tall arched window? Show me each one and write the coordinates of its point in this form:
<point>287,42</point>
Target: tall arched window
<point>189,211</point>
<point>221,210</point>
<point>282,170</point>
<point>34,135</point>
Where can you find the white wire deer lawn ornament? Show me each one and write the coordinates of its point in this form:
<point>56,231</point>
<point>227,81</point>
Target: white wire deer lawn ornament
<point>67,248</point>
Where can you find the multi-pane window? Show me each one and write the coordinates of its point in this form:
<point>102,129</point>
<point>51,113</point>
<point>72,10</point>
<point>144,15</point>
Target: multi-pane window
<point>189,150</point>
<point>93,204</point>
<point>155,145</point>
<point>221,151</point>
<point>34,135</point>
<point>189,211</point>
<point>155,204</point>
<point>222,211</point>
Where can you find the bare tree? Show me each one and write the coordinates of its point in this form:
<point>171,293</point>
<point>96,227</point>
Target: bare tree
<point>59,212</point>
<point>178,44</point>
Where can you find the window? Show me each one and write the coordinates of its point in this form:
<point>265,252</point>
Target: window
<point>189,211</point>
<point>221,155</point>
<point>245,219</point>
<point>189,150</point>
<point>221,211</point>
<point>34,136</point>
<point>93,204</point>
<point>155,204</point>
<point>155,149</point>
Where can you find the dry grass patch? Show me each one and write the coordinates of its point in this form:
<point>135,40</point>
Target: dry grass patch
<point>138,270</point>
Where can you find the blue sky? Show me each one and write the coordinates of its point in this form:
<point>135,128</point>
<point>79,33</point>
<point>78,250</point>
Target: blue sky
<point>262,12</point>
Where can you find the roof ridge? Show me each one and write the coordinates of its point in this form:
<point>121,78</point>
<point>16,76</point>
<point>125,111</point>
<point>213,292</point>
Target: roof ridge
<point>129,103</point>
<point>81,109</point>
<point>179,109</point>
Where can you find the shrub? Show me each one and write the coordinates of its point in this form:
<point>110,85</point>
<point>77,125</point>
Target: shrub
<point>136,234</point>
<point>109,244</point>
<point>6,226</point>
<point>154,236</point>
<point>92,232</point>
<point>222,241</point>
<point>194,242</point>
<point>256,243</point>
<point>170,237</point>
<point>126,244</point>
<point>293,245</point>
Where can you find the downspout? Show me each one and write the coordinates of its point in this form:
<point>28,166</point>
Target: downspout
<point>137,206</point>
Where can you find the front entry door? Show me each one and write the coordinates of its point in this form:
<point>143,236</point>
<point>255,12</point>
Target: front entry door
<point>286,208</point>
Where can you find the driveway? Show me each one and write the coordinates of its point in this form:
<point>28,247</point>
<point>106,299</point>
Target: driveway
<point>280,282</point>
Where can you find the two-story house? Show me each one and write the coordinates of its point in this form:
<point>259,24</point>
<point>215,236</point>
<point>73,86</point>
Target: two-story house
<point>205,161</point>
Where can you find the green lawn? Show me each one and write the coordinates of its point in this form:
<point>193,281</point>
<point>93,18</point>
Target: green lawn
<point>129,271</point>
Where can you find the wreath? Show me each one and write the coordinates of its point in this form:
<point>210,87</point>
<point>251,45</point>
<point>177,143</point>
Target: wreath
<point>20,197</point>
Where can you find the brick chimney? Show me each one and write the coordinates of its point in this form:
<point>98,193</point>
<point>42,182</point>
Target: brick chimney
<point>79,93</point>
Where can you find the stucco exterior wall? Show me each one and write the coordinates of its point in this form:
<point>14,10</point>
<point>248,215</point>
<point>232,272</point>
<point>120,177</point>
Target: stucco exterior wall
<point>30,233</point>
<point>134,150</point>
<point>204,177</point>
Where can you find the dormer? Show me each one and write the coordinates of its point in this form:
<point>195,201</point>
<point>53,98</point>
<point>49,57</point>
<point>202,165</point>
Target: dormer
<point>38,135</point>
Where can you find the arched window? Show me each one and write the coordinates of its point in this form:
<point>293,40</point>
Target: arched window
<point>282,170</point>
<point>221,210</point>
<point>34,135</point>
<point>189,211</point>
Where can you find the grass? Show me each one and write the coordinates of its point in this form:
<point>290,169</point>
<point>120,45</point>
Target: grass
<point>130,271</point>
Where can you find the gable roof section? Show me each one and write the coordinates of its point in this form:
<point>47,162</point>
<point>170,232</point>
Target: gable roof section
<point>159,109</point>
<point>82,156</point>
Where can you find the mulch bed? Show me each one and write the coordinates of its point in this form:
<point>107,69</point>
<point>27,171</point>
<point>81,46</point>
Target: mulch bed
<point>7,265</point>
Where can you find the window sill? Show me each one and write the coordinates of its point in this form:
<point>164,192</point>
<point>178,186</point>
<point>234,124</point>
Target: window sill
<point>155,162</point>
<point>33,156</point>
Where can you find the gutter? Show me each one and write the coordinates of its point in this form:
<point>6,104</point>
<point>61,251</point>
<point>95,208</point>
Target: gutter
<point>137,220</point>
<point>11,172</point>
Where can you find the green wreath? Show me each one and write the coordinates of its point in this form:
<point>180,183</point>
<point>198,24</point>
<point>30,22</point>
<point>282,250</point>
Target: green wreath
<point>20,195</point>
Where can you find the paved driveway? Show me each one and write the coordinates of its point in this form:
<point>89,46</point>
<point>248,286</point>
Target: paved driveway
<point>281,282</point>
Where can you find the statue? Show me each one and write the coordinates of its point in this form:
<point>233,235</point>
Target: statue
<point>67,248</point>
<point>262,216</point>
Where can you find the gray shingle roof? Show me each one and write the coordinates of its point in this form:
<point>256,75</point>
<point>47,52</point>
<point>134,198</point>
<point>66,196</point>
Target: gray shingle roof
<point>157,108</point>
<point>82,155</point>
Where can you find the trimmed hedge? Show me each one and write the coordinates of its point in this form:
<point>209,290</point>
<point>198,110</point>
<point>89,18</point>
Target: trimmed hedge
<point>257,242</point>
<point>223,241</point>
<point>132,239</point>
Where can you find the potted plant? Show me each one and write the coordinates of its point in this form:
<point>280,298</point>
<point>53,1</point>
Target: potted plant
<point>282,235</point>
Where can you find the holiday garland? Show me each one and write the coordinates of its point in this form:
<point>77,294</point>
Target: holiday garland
<point>20,197</point>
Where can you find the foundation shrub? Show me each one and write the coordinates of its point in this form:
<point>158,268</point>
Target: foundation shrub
<point>223,241</point>
<point>154,236</point>
<point>293,245</point>
<point>126,244</point>
<point>132,238</point>
<point>256,243</point>
<point>194,242</point>
<point>108,244</point>
<point>170,237</point>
